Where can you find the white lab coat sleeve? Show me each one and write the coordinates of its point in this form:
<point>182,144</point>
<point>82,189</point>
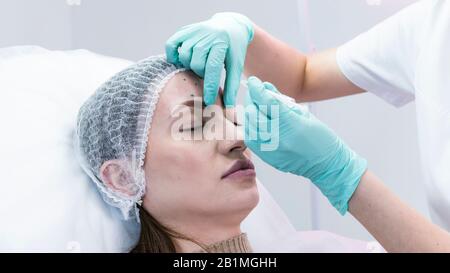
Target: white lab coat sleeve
<point>383,59</point>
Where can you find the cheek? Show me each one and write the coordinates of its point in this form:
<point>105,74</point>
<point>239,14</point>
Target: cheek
<point>176,169</point>
<point>181,162</point>
<point>180,179</point>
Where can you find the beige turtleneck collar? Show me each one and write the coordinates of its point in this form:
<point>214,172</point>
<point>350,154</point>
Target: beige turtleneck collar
<point>237,244</point>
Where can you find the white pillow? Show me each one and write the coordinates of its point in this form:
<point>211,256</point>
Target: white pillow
<point>48,203</point>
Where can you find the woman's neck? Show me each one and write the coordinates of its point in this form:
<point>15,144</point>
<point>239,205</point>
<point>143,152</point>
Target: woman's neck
<point>205,238</point>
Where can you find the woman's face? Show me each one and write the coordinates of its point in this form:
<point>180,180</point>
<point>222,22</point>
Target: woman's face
<point>207,179</point>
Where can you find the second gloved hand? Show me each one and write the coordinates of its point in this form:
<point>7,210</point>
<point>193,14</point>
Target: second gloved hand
<point>293,140</point>
<point>207,46</point>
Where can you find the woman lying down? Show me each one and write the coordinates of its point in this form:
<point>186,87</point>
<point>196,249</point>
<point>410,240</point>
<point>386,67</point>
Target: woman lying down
<point>189,194</point>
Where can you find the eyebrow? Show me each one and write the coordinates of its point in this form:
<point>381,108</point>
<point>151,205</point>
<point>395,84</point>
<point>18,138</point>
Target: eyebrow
<point>192,102</point>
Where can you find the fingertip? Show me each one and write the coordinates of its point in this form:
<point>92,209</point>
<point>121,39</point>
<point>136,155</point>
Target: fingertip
<point>271,87</point>
<point>229,105</point>
<point>171,52</point>
<point>231,89</point>
<point>255,88</point>
<point>210,88</point>
<point>230,97</point>
<point>253,81</point>
<point>209,97</point>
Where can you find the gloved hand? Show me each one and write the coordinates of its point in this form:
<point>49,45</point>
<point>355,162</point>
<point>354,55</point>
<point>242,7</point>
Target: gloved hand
<point>306,146</point>
<point>206,46</point>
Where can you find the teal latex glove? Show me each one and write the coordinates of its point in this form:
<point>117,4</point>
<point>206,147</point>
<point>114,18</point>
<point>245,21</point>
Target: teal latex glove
<point>306,146</point>
<point>207,46</point>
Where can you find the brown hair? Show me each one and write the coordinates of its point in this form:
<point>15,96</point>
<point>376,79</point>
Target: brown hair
<point>156,238</point>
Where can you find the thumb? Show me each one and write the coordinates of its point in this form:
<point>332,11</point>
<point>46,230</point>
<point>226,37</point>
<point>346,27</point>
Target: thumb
<point>259,93</point>
<point>271,87</point>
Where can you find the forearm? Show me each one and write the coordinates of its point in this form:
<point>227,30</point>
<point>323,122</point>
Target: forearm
<point>303,77</point>
<point>275,61</point>
<point>398,227</point>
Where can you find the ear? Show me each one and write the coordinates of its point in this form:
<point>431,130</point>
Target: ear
<point>117,177</point>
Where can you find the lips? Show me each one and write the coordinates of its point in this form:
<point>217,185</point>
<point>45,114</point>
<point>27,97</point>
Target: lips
<point>242,167</point>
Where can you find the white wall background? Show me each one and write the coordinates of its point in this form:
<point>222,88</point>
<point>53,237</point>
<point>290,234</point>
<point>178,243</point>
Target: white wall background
<point>42,22</point>
<point>135,29</point>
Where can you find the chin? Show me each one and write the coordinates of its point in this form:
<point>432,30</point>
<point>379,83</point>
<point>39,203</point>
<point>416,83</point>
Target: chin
<point>246,199</point>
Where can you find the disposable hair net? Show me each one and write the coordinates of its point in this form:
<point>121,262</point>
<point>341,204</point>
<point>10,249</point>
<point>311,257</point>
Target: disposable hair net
<point>113,124</point>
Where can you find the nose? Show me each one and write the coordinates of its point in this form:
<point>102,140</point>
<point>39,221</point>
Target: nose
<point>228,147</point>
<point>233,143</point>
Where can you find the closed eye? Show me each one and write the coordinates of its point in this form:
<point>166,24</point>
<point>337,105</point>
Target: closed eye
<point>194,125</point>
<point>191,129</point>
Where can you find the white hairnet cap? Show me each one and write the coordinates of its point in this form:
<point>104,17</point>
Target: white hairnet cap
<point>113,124</point>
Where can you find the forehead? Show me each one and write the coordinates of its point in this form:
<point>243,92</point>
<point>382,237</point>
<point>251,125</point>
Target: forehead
<point>180,88</point>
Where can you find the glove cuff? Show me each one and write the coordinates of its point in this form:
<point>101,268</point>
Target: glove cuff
<point>341,177</point>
